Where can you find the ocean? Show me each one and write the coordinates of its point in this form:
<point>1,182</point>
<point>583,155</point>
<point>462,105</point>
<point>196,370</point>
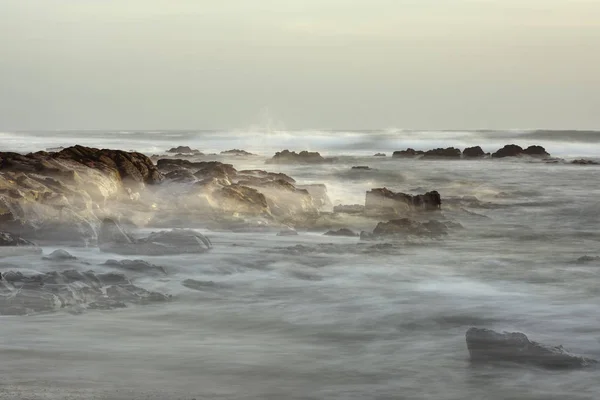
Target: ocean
<point>263,316</point>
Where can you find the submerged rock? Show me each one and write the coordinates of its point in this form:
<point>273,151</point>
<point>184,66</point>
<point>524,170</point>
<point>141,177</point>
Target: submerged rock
<point>486,345</point>
<point>404,227</point>
<point>584,162</point>
<point>114,239</point>
<point>588,259</point>
<point>59,255</point>
<point>362,167</point>
<point>341,232</point>
<point>287,232</point>
<point>135,266</point>
<point>379,155</point>
<point>349,209</point>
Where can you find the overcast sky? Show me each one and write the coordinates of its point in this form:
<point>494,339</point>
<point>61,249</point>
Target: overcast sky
<point>329,64</point>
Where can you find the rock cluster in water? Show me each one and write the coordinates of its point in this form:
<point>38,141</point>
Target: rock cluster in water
<point>510,150</point>
<point>304,157</point>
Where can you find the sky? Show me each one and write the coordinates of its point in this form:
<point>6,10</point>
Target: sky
<point>302,64</point>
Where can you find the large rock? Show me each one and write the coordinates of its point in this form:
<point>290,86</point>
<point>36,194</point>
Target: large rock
<point>486,345</point>
<point>383,200</point>
<point>473,152</point>
<point>114,239</point>
<point>304,157</point>
<point>407,153</point>
<point>450,152</point>
<point>341,232</point>
<point>513,150</point>
<point>9,239</point>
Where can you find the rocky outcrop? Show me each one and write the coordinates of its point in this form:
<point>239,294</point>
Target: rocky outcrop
<point>513,150</point>
<point>114,239</point>
<point>383,200</point>
<point>473,152</point>
<point>362,167</point>
<point>184,150</point>
<point>341,232</point>
<point>408,153</point>
<point>236,152</point>
<point>304,157</point>
<point>379,155</point>
<point>488,346</point>
<point>405,227</point>
<point>264,175</point>
<point>450,152</point>
<point>71,289</point>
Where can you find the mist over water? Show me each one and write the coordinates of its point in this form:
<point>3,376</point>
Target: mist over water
<point>260,317</point>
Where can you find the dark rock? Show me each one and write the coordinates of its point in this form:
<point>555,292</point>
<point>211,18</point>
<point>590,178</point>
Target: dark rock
<point>473,152</point>
<point>181,176</point>
<point>215,169</point>
<point>341,232</point>
<point>184,150</point>
<point>584,162</point>
<point>536,151</point>
<point>304,157</point>
<point>379,155</point>
<point>510,150</point>
<point>242,199</point>
<point>488,346</point>
<point>449,152</point>
<point>135,266</point>
<point>59,255</point>
<point>408,153</point>
<point>237,152</point>
<point>384,200</point>
<point>114,239</point>
<point>362,167</point>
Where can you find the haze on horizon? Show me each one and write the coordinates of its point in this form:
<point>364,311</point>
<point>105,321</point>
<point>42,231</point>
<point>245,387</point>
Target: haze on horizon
<point>330,64</point>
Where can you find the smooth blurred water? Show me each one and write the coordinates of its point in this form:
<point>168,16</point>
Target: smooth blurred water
<point>340,320</point>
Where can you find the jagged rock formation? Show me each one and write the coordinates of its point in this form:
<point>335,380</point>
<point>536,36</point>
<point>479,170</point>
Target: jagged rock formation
<point>486,345</point>
<point>450,152</point>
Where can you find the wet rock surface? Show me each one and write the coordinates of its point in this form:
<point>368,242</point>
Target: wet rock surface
<point>341,232</point>
<point>473,152</point>
<point>139,266</point>
<point>488,346</point>
<point>22,294</point>
<point>406,227</point>
<point>183,150</point>
<point>383,200</point>
<point>59,255</point>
